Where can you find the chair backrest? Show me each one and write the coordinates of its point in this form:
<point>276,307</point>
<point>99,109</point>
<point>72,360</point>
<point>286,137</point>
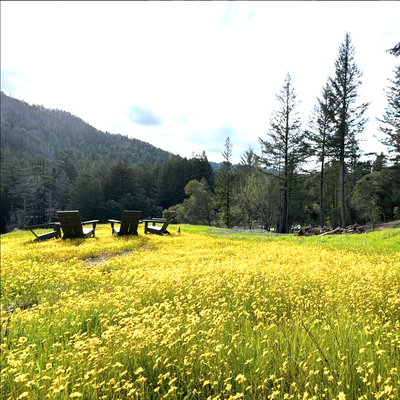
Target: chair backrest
<point>70,224</point>
<point>129,222</point>
<point>168,220</point>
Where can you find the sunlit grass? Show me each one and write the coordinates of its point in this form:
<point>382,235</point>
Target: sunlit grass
<point>387,241</point>
<point>201,314</point>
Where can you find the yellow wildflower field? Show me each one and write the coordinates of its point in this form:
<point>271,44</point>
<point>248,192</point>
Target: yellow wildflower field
<point>190,316</point>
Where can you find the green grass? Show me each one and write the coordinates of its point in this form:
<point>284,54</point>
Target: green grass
<point>380,242</point>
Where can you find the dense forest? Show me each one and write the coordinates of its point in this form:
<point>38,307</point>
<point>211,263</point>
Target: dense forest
<point>52,160</point>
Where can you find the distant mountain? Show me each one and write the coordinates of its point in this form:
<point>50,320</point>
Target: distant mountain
<point>215,166</point>
<point>34,132</point>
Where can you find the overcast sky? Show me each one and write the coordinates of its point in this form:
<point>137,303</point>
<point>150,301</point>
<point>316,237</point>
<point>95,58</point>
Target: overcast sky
<point>184,76</point>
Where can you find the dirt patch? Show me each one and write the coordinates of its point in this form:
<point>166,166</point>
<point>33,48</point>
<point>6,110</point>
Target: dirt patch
<point>382,226</point>
<point>102,258</point>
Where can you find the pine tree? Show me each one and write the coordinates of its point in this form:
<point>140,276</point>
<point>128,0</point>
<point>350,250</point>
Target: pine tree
<point>347,118</point>
<point>319,135</point>
<point>285,147</point>
<point>86,196</point>
<point>225,184</point>
<point>391,120</point>
<point>247,167</point>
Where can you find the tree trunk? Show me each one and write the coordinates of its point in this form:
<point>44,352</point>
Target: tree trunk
<point>321,197</point>
<point>342,198</point>
<point>284,211</point>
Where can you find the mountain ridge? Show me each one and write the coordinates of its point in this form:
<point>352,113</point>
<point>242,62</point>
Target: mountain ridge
<point>33,131</point>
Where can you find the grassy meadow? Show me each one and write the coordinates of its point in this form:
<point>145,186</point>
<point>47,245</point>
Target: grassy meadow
<point>201,314</point>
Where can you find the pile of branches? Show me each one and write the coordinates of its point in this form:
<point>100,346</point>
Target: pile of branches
<point>330,231</point>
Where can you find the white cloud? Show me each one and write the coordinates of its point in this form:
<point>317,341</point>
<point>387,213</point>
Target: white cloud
<point>144,116</point>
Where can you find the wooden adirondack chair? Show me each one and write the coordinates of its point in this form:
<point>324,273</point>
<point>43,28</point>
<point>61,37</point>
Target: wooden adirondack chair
<point>128,224</point>
<point>72,226</point>
<point>55,233</point>
<point>158,230</point>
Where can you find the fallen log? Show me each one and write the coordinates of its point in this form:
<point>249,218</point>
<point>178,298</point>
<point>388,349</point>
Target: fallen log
<point>335,231</point>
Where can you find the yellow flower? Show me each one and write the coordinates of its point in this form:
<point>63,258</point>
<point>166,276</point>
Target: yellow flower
<point>22,395</point>
<point>388,389</point>
<point>20,378</point>
<point>240,378</point>
<point>75,394</point>
<point>341,396</point>
<point>118,364</point>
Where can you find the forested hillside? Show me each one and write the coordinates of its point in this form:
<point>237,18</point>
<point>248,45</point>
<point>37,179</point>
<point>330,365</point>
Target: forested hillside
<point>33,132</point>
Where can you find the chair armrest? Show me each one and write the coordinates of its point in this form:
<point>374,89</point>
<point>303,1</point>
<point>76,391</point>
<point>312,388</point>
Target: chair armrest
<point>113,221</point>
<point>95,221</point>
<point>48,225</point>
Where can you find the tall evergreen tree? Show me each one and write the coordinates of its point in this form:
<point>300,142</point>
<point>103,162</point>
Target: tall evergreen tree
<point>86,196</point>
<point>285,147</point>
<point>348,119</point>
<point>171,182</point>
<point>391,119</point>
<point>199,168</point>
<point>319,135</point>
<point>120,181</point>
<point>62,186</point>
<point>247,167</point>
<point>225,184</point>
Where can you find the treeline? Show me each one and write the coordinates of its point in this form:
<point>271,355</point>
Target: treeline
<point>247,195</point>
<point>53,161</point>
<point>33,194</point>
